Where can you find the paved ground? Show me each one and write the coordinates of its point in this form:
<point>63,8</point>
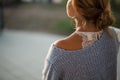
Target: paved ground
<point>22,54</point>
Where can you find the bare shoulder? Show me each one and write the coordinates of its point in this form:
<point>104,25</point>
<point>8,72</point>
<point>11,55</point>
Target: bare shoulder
<point>69,43</point>
<point>61,43</point>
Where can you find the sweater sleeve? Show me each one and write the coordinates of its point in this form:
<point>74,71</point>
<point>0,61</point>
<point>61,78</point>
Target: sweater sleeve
<point>117,30</point>
<point>51,70</point>
<point>116,33</point>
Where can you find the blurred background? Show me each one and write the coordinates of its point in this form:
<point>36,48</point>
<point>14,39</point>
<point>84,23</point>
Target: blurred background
<point>27,29</point>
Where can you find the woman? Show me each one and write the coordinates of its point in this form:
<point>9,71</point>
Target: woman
<point>89,53</point>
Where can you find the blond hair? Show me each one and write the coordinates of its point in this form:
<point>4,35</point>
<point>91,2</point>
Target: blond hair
<point>99,11</point>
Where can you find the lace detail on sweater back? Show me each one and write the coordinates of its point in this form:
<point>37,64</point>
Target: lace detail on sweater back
<point>89,37</point>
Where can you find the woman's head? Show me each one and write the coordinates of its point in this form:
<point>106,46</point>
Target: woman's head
<point>97,11</point>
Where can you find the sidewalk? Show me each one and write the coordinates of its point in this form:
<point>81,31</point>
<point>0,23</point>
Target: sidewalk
<point>22,54</point>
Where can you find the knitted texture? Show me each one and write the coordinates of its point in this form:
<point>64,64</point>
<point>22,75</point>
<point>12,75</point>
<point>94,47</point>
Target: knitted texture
<point>98,61</point>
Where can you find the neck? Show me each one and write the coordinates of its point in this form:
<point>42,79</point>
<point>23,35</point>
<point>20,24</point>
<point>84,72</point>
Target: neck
<point>89,27</point>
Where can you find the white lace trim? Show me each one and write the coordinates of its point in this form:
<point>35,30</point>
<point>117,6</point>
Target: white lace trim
<point>89,37</point>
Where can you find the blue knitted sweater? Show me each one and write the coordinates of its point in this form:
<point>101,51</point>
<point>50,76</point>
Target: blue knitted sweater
<point>96,62</point>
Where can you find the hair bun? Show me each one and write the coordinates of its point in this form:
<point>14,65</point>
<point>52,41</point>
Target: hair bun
<point>105,19</point>
<point>92,13</point>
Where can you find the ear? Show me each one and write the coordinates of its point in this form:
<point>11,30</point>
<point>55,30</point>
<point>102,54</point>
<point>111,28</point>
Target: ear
<point>69,9</point>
